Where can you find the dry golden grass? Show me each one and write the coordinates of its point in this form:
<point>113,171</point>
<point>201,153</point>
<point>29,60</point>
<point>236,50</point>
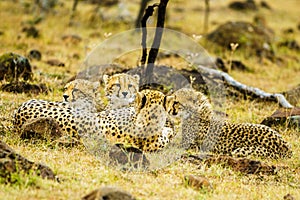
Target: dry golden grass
<point>79,171</point>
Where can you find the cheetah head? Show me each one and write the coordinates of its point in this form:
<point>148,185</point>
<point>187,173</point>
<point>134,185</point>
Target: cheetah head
<point>121,86</point>
<point>185,102</point>
<point>81,89</point>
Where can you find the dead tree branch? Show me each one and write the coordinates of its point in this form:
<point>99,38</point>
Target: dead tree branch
<point>143,6</point>
<point>206,16</point>
<point>157,39</point>
<point>247,89</point>
<point>149,12</point>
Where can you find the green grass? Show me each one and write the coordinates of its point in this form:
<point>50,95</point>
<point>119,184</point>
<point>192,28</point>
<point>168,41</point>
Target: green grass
<point>79,171</point>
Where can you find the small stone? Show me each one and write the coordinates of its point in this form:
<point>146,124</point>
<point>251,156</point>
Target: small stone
<point>284,116</point>
<point>31,31</point>
<point>288,31</point>
<point>243,165</point>
<point>23,87</point>
<point>55,62</point>
<point>35,54</point>
<point>198,182</point>
<point>291,44</point>
<point>14,67</point>
<point>72,38</point>
<point>128,157</point>
<point>264,4</point>
<point>288,197</point>
<point>251,37</point>
<point>108,193</point>
<point>41,128</point>
<point>238,65</point>
<point>243,5</point>
<point>11,162</point>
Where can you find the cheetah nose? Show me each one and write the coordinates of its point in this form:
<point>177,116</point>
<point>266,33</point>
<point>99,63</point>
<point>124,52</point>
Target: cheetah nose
<point>66,97</point>
<point>124,93</point>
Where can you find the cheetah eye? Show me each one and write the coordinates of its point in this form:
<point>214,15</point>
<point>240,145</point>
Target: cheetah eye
<point>130,85</point>
<point>117,85</point>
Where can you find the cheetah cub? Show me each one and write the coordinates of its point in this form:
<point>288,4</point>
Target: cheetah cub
<point>142,126</point>
<point>202,130</point>
<point>81,96</point>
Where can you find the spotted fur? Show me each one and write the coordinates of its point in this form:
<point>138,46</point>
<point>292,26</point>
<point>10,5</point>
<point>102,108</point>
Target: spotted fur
<point>121,89</point>
<point>202,130</point>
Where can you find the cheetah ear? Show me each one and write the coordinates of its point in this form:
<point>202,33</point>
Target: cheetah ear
<point>66,86</point>
<point>105,79</point>
<point>137,78</point>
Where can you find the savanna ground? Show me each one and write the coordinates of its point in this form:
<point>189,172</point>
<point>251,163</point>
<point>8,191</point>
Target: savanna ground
<point>79,171</point>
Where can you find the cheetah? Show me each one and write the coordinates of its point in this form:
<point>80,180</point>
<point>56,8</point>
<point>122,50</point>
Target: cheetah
<point>142,127</point>
<point>81,95</point>
<point>201,129</point>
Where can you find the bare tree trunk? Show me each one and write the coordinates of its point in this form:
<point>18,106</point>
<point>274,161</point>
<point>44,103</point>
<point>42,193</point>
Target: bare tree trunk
<point>143,6</point>
<point>206,16</point>
<point>75,3</point>
<point>157,39</point>
<point>149,12</point>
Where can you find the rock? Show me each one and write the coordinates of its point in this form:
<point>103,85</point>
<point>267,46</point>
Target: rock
<point>221,65</point>
<point>47,129</point>
<point>11,162</point>
<point>256,39</point>
<point>284,116</point>
<point>235,65</point>
<point>288,31</point>
<point>198,182</point>
<point>243,5</point>
<point>22,87</point>
<point>41,128</point>
<point>264,4</point>
<point>55,62</point>
<point>128,157</point>
<point>14,67</point>
<point>35,54</point>
<point>108,193</point>
<point>243,165</point>
<point>289,197</point>
<point>168,76</point>
<point>291,44</point>
<point>71,38</point>
<point>31,31</point>
<point>238,65</point>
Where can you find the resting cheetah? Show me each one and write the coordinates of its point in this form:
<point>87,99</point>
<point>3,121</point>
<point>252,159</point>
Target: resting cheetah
<point>81,95</point>
<point>201,129</point>
<point>142,127</point>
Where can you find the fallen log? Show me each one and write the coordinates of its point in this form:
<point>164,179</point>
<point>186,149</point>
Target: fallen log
<point>247,89</point>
